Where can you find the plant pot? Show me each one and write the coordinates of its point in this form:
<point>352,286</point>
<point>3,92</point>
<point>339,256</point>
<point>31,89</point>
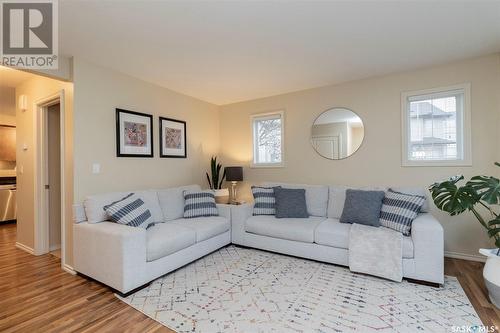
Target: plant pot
<point>491,275</point>
<point>221,196</point>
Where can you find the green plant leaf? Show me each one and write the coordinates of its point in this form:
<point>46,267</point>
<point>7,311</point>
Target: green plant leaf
<point>494,232</point>
<point>222,179</point>
<point>213,163</point>
<point>487,188</point>
<point>452,199</point>
<point>209,183</point>
<point>495,221</point>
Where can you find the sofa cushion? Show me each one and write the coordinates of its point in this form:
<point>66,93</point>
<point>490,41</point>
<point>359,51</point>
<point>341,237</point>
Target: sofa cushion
<point>172,201</point>
<point>94,204</point>
<point>301,230</point>
<point>167,238</point>
<point>205,227</point>
<point>316,196</point>
<point>333,233</point>
<point>290,203</point>
<point>336,198</point>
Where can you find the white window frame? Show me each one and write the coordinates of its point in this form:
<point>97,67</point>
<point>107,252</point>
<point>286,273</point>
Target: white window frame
<point>463,126</point>
<point>261,116</point>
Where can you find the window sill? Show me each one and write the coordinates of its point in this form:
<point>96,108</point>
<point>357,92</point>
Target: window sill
<point>267,166</point>
<point>456,163</point>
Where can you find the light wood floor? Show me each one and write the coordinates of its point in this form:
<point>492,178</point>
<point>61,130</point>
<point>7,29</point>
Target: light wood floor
<point>37,296</point>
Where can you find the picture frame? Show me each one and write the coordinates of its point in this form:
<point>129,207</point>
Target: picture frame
<point>134,134</point>
<point>173,138</point>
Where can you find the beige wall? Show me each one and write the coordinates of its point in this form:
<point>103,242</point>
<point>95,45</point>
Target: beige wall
<point>378,161</point>
<point>98,92</point>
<point>36,89</point>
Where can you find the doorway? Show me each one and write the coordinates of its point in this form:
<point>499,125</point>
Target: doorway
<point>328,146</point>
<point>53,182</point>
<point>50,184</point>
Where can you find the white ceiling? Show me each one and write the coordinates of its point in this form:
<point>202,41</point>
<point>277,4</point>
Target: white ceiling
<point>224,52</point>
<point>11,78</point>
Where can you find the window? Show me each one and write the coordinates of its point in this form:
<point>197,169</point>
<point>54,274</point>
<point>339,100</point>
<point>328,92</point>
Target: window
<point>268,136</point>
<point>436,127</point>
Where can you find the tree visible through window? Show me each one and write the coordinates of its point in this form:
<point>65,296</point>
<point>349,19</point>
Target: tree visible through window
<point>267,139</point>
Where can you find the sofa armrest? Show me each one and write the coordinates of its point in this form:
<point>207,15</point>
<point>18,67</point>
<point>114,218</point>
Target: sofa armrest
<point>428,243</point>
<point>224,211</point>
<point>239,215</point>
<point>111,253</point>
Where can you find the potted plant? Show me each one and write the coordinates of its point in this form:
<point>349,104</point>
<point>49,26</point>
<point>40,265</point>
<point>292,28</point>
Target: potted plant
<point>480,196</point>
<point>215,182</point>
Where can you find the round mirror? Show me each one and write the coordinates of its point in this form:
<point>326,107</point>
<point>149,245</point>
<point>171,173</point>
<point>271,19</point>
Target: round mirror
<point>337,133</point>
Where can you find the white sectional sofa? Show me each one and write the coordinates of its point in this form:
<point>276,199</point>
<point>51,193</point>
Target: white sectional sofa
<point>126,258</point>
<point>322,237</point>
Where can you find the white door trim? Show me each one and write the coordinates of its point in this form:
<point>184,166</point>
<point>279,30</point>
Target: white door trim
<point>41,203</point>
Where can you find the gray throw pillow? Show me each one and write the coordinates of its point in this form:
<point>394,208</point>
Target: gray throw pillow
<point>290,203</point>
<point>362,207</point>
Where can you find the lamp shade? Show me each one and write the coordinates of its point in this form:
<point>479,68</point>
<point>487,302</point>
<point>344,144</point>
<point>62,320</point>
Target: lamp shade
<point>234,173</point>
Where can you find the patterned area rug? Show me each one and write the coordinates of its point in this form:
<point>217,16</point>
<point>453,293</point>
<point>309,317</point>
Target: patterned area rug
<point>245,290</point>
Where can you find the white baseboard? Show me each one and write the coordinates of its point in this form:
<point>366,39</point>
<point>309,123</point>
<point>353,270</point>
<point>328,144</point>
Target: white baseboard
<point>25,248</point>
<point>28,249</point>
<point>463,256</point>
<point>69,269</point>
<point>55,247</point>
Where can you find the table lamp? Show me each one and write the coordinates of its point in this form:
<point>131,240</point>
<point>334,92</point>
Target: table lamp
<point>234,174</point>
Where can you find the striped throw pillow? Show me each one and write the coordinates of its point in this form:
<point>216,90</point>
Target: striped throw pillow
<point>399,210</point>
<point>130,211</point>
<point>199,203</point>
<point>265,201</point>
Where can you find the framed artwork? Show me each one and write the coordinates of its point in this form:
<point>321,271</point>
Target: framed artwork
<point>172,138</point>
<point>134,134</point>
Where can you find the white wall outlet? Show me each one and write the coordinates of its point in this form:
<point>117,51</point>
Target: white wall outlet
<point>25,146</point>
<point>96,168</point>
